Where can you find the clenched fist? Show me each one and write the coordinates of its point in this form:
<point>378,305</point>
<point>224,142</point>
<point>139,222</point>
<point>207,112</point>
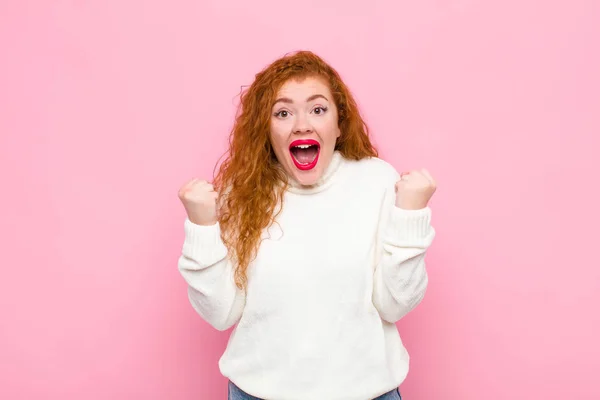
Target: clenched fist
<point>414,189</point>
<point>200,201</point>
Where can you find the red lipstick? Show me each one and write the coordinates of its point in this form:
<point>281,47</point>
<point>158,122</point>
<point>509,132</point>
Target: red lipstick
<point>305,143</point>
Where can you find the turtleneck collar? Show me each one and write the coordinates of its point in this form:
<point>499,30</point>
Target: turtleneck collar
<point>324,181</point>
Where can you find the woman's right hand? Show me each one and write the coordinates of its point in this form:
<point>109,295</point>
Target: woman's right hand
<point>200,201</point>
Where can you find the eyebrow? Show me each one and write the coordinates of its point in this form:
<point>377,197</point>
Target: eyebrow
<point>290,101</point>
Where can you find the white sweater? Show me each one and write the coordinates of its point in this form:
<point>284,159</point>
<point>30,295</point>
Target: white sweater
<point>333,275</point>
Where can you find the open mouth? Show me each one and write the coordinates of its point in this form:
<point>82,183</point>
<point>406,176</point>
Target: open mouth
<point>305,153</point>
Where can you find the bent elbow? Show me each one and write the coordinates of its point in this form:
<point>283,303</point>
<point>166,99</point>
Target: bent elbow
<point>217,317</point>
<point>404,303</point>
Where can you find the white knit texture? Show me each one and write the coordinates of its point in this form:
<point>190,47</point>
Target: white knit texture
<point>332,276</point>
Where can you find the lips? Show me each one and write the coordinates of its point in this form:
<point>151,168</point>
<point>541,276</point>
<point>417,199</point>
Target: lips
<point>305,153</point>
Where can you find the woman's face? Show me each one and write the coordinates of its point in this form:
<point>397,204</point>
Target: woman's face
<point>304,128</point>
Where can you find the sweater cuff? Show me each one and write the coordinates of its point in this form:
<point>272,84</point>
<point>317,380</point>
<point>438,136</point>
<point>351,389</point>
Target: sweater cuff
<point>409,225</point>
<point>202,240</point>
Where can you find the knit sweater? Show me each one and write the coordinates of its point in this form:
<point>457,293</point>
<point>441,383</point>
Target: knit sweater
<point>335,272</point>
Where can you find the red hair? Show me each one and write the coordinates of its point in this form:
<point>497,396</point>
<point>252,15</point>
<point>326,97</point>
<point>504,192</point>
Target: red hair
<point>247,180</point>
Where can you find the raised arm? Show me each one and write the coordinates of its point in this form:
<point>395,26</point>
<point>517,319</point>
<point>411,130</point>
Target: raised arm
<point>204,262</point>
<point>405,233</point>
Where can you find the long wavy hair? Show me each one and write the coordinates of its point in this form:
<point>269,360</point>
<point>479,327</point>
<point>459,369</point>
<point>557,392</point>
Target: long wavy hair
<point>249,180</point>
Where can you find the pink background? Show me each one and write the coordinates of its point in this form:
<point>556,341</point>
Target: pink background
<point>106,108</point>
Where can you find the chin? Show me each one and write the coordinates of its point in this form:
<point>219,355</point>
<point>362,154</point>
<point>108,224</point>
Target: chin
<point>308,178</point>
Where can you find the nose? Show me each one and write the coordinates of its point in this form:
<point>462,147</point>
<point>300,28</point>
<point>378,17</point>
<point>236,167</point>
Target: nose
<point>302,125</point>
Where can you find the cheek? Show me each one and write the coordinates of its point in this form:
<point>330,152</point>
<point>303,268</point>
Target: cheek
<point>328,127</point>
<point>278,135</point>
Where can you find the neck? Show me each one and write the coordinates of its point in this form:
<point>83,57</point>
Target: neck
<point>323,182</point>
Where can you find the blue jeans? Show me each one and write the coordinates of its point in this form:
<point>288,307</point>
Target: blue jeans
<point>235,393</point>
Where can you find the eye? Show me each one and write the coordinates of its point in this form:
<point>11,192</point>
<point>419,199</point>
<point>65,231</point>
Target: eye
<point>282,114</point>
<point>320,110</point>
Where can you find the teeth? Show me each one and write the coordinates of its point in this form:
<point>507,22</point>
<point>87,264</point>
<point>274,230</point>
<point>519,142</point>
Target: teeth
<point>304,146</point>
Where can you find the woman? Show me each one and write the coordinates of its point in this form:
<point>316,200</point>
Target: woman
<point>308,242</point>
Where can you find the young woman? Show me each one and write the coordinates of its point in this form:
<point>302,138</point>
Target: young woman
<point>308,242</point>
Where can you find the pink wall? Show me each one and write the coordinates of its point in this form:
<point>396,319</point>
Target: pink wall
<point>107,107</point>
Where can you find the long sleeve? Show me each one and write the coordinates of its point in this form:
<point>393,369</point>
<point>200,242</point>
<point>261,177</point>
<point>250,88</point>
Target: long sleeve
<point>206,268</point>
<point>400,278</point>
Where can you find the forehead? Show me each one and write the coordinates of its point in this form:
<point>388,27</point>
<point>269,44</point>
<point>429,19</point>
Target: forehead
<point>304,88</point>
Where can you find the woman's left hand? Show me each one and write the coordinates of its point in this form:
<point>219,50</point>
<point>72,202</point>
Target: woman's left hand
<point>414,189</point>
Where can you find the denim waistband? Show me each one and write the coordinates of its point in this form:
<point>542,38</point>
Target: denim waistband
<point>235,393</point>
